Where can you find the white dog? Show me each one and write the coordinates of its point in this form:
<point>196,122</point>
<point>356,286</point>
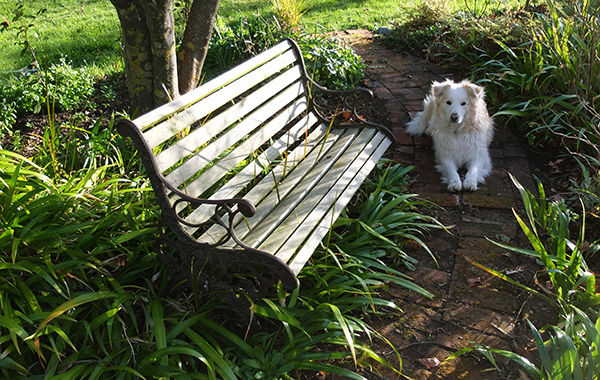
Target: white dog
<point>456,117</point>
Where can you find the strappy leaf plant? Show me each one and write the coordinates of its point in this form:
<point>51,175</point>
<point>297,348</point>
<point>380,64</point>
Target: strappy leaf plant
<point>570,352</point>
<point>384,220</point>
<point>571,349</point>
<point>80,296</point>
<point>572,281</point>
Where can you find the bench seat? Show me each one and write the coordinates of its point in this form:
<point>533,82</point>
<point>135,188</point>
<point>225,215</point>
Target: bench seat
<point>248,174</point>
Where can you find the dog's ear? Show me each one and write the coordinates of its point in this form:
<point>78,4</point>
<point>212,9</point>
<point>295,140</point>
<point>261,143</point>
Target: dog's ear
<point>438,88</point>
<point>475,91</point>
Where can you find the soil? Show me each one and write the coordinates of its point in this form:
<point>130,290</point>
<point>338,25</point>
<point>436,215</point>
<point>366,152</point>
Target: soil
<point>470,305</point>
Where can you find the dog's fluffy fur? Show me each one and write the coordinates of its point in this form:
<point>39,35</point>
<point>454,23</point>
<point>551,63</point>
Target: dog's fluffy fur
<point>456,117</point>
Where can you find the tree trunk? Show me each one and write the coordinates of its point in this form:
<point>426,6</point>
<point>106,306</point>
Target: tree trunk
<point>160,21</point>
<point>196,39</point>
<point>137,56</point>
<point>155,72</point>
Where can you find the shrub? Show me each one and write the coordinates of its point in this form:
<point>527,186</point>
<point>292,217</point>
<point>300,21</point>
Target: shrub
<point>332,63</point>
<point>428,12</point>
<point>288,13</point>
<point>329,61</point>
<point>461,37</point>
<point>60,86</point>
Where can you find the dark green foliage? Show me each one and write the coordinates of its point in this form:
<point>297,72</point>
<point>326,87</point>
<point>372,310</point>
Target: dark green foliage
<point>60,88</point>
<point>571,349</point>
<point>84,295</point>
<point>329,62</point>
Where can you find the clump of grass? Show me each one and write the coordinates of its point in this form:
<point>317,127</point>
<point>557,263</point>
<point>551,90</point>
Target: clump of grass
<point>84,294</point>
<point>289,13</point>
<point>571,349</point>
<point>429,12</point>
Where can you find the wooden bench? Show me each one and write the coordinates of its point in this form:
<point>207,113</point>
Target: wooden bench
<point>249,177</point>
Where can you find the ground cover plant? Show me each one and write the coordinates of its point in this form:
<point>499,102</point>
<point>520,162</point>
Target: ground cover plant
<point>84,295</point>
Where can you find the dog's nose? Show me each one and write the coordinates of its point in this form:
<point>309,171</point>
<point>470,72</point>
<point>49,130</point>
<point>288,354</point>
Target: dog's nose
<point>454,117</point>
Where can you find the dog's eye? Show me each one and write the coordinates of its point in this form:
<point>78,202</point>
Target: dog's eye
<point>463,103</point>
<point>448,102</point>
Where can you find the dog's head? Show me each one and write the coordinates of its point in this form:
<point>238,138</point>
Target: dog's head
<point>454,101</point>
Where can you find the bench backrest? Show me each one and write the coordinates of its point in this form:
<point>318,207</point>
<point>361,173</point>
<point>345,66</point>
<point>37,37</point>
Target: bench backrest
<point>199,141</point>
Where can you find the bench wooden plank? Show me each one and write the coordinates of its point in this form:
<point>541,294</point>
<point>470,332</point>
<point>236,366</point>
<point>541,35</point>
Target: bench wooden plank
<point>321,197</point>
<point>205,157</point>
<point>317,225</point>
<point>263,194</point>
<point>197,138</point>
<point>265,161</point>
<point>155,116</point>
<point>222,167</point>
<point>162,132</point>
<point>283,202</point>
<point>316,202</point>
<point>324,227</point>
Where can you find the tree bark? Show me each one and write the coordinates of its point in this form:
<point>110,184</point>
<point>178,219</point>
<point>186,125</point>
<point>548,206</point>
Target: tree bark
<point>196,39</point>
<point>161,25</point>
<point>137,55</point>
<point>155,72</point>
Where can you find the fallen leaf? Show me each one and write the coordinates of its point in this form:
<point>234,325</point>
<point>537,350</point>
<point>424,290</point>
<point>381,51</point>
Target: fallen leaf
<point>430,362</point>
<point>554,165</point>
<point>474,281</point>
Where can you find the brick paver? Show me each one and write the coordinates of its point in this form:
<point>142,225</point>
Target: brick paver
<point>470,304</point>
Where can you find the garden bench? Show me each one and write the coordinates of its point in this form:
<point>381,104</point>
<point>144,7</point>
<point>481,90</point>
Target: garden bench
<point>248,175</point>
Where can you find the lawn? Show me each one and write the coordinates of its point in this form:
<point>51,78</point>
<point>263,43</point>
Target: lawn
<point>88,33</point>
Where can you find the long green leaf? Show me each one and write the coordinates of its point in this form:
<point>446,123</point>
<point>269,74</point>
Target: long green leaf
<point>547,364</point>
<point>159,330</point>
<point>75,302</point>
<point>215,357</point>
<point>345,328</point>
<point>506,278</point>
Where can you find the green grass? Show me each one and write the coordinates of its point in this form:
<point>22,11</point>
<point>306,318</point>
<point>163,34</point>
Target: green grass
<point>86,33</point>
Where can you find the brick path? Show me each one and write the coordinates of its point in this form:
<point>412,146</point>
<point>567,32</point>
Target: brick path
<point>470,304</point>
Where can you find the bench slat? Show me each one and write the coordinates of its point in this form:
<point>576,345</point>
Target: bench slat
<point>266,159</point>
<point>263,192</point>
<point>320,197</point>
<point>203,158</point>
<point>162,132</point>
<point>242,152</point>
<point>292,191</point>
<point>217,124</point>
<point>153,117</point>
<point>322,229</point>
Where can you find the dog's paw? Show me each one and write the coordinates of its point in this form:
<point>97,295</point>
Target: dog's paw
<point>454,186</point>
<point>470,185</point>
